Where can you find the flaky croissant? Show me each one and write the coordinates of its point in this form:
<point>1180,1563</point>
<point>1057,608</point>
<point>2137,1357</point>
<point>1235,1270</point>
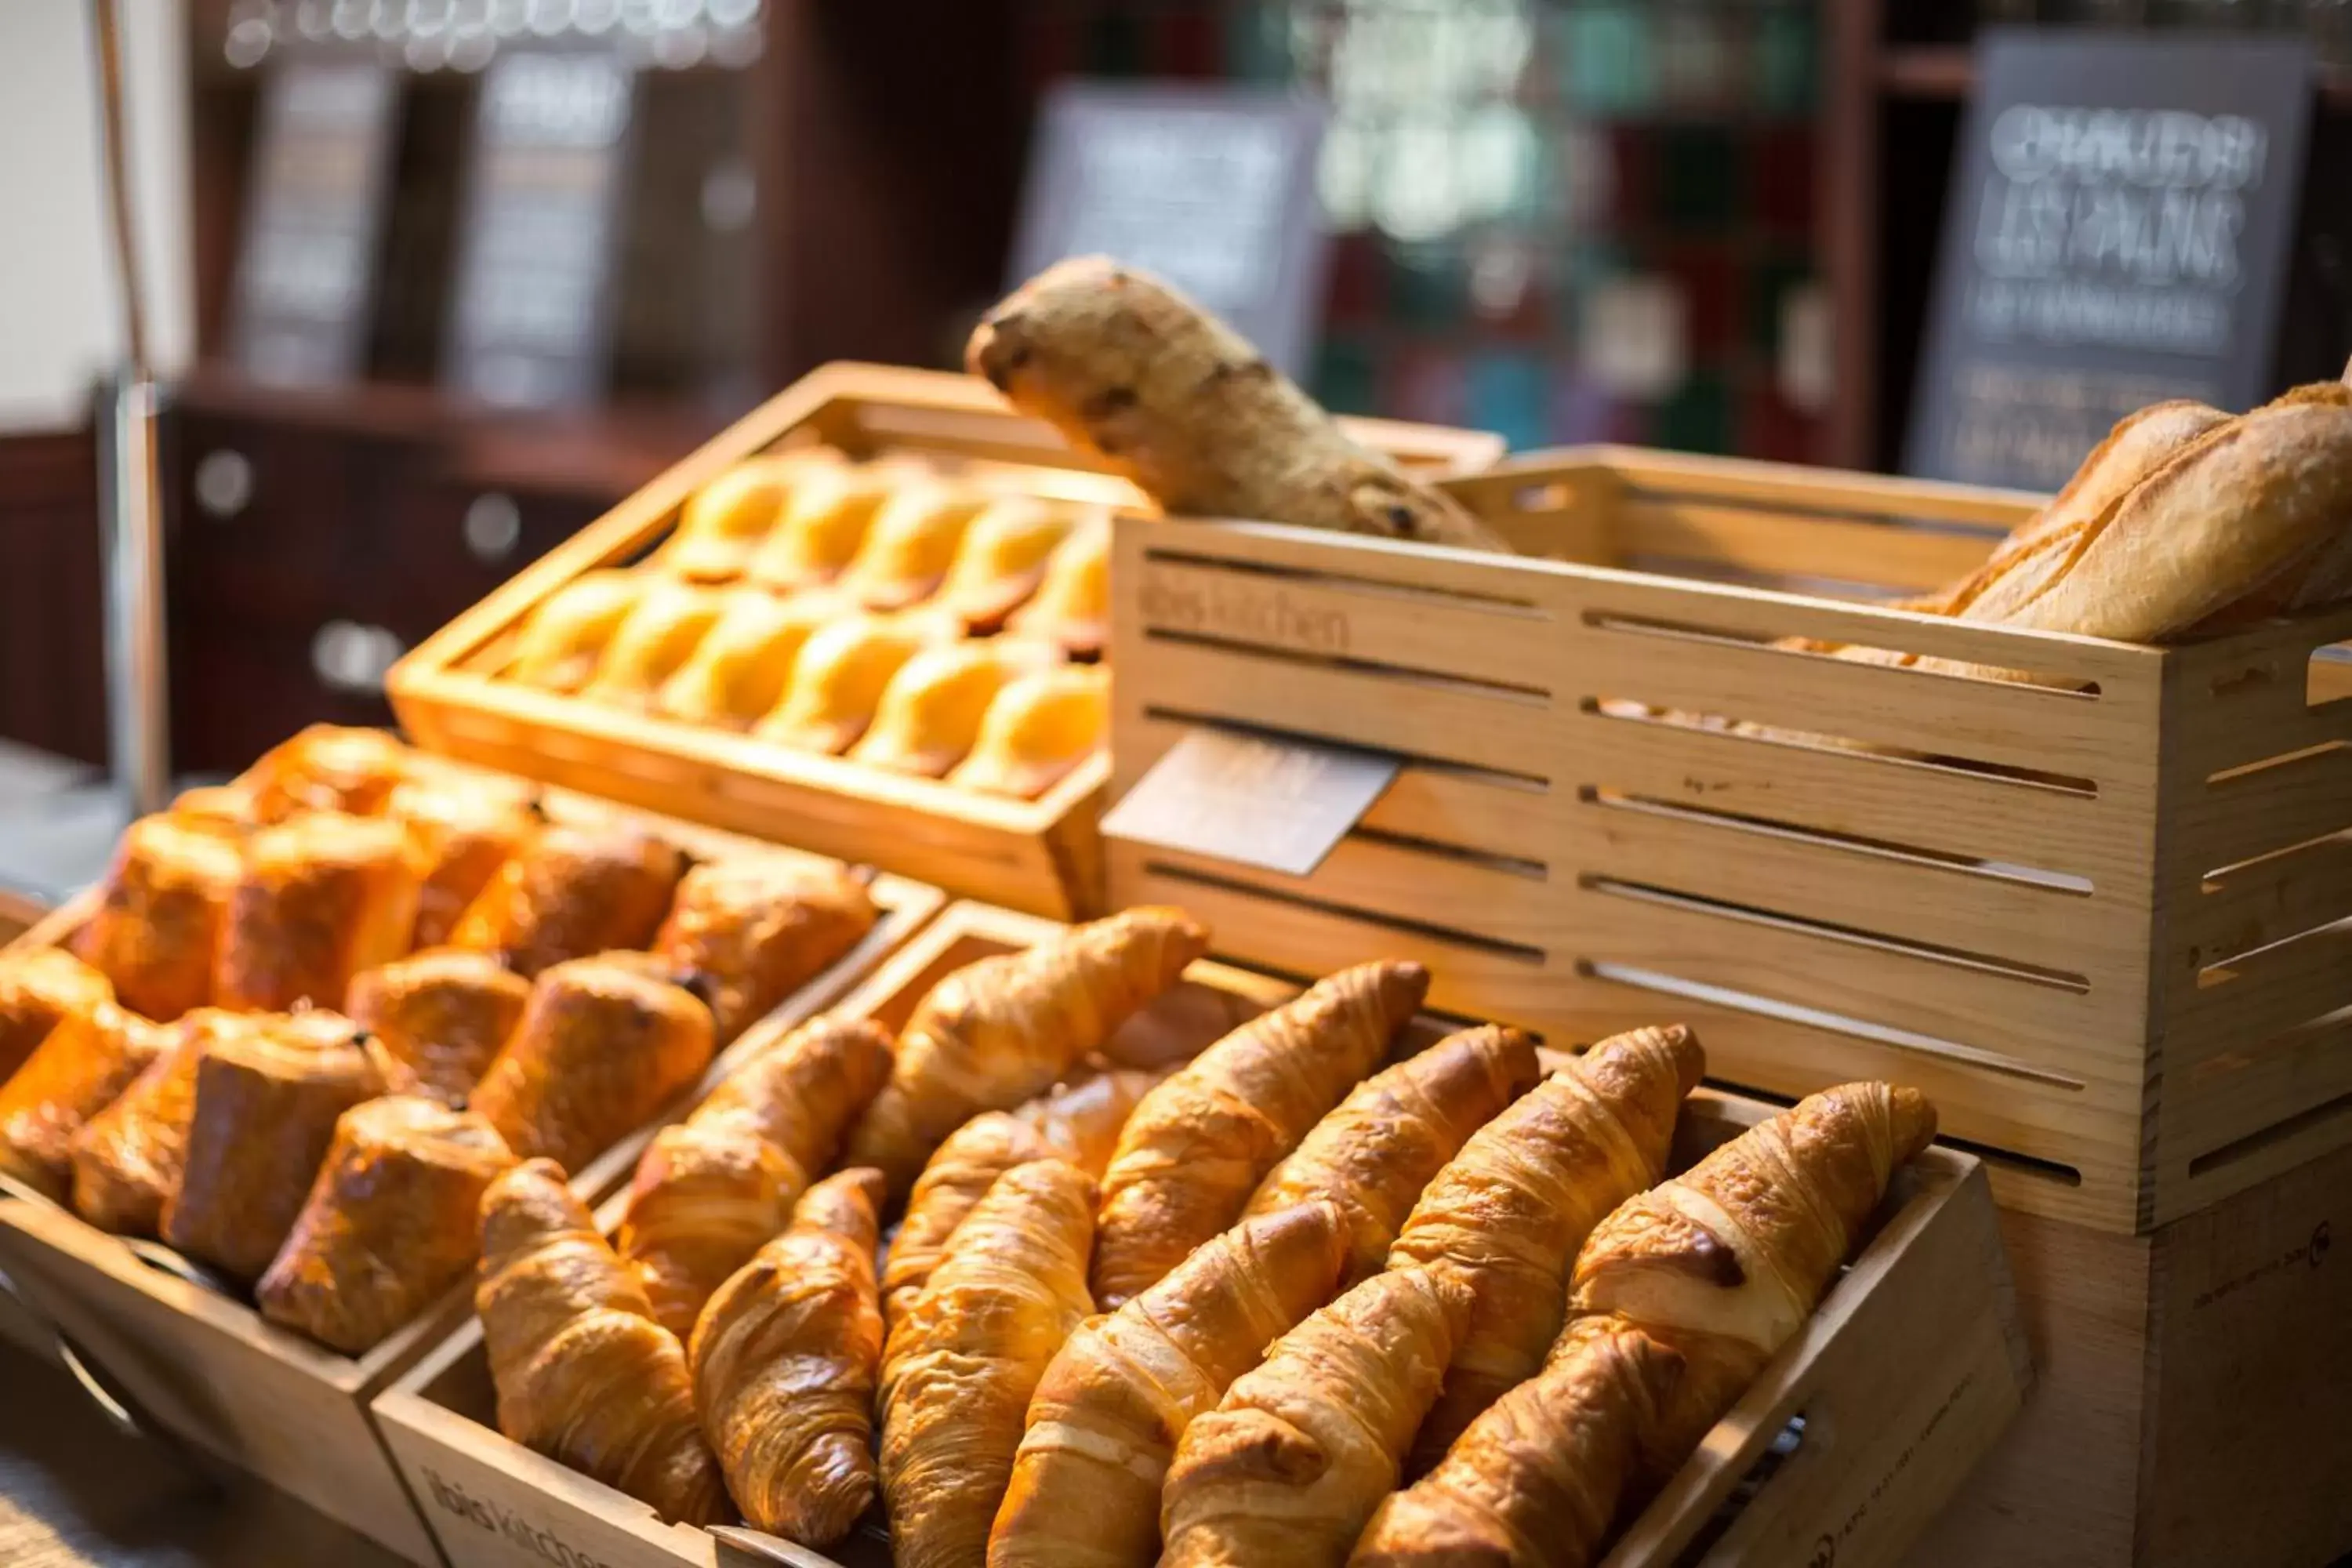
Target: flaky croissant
<point>78,1070</point>
<point>1300,1451</point>
<point>1508,1213</point>
<point>574,892</point>
<point>561,643</point>
<point>40,987</point>
<point>759,929</point>
<point>959,1367</point>
<point>785,1361</point>
<point>443,1015</point>
<point>1201,1142</point>
<point>1106,1417</point>
<point>320,897</point>
<point>1374,1154</point>
<point>997,1031</point>
<point>583,1373</point>
<point>127,1160</point>
<point>155,933</point>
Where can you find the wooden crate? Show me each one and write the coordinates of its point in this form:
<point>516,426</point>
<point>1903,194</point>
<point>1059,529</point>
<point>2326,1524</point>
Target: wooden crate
<point>211,1369</point>
<point>1043,856</point>
<point>1906,1375</point>
<point>2097,916</point>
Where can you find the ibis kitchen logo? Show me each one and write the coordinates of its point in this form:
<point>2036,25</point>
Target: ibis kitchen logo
<point>484,1514</point>
<point>1239,608</point>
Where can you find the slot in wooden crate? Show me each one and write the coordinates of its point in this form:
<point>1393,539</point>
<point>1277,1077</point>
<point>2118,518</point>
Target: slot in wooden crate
<point>1043,856</point>
<point>2099,915</point>
<point>1904,1376</point>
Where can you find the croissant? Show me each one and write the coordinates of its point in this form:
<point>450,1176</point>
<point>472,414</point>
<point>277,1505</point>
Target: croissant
<point>326,767</point>
<point>266,1099</point>
<point>322,898</point>
<point>757,930</point>
<point>931,712</point>
<point>1080,1124</point>
<point>128,1158</point>
<point>837,683</point>
<point>155,933</point>
<point>88,1059</point>
<point>565,637</point>
<point>1374,1154</point>
<point>803,1092</point>
<point>721,523</point>
<point>909,546</point>
<point>462,828</point>
<point>785,1359</point>
<point>959,1368</point>
<point>1106,1419</point>
<point>389,1223</point>
<point>574,892</point>
<point>743,665</point>
<point>1001,559</point>
<point>1292,1462</point>
<point>1201,1142</point>
<point>443,1015</point>
<point>822,525</point>
<point>1071,606</point>
<point>583,1373</point>
<point>41,987</point>
<point>995,1032</point>
<point>1040,727</point>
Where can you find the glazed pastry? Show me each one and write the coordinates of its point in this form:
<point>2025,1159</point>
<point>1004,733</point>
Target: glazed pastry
<point>1000,1030</point>
<point>443,1015</point>
<point>1374,1154</point>
<point>1080,1124</point>
<point>1292,1462</point>
<point>822,526</point>
<point>266,1100</point>
<point>157,929</point>
<point>1509,1212</point>
<point>785,1361</point>
<point>321,896</point>
<point>566,1327</point>
<point>600,1050</point>
<point>931,710</point>
<point>41,987</point>
<point>759,929</point>
<point>88,1059</point>
<point>565,637</point>
<point>803,1092</point>
<point>837,683</point>
<point>574,892</point>
<point>1072,606</point>
<point>959,1367</point>
<point>1201,1142</point>
<point>1001,559</point>
<point>127,1160</point>
<point>1111,1408</point>
<point>389,1225</point>
<point>721,523</point>
<point>740,670</point>
<point>1039,728</point>
<point>657,637</point>
<point>462,828</point>
<point>912,542</point>
<point>224,809</point>
<point>326,767</point>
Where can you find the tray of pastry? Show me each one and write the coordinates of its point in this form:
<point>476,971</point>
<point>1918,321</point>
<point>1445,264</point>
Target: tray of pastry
<point>258,1080</point>
<point>1185,1265</point>
<point>868,619</point>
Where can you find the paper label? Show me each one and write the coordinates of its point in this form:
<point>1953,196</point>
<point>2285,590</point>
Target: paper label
<point>1278,804</point>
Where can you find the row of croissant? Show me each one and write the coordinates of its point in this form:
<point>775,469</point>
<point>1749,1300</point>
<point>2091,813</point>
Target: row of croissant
<point>245,1052</point>
<point>1213,1315</point>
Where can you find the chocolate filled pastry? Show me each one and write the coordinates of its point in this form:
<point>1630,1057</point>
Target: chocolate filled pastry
<point>128,1159</point>
<point>41,987</point>
<point>327,767</point>
<point>157,928</point>
<point>603,1046</point>
<point>756,931</point>
<point>322,898</point>
<point>90,1058</point>
<point>389,1225</point>
<point>266,1105</point>
<point>574,892</point>
<point>443,1015</point>
<point>462,828</point>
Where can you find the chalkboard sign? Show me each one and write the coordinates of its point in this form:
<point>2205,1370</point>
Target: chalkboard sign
<point>531,323</point>
<point>306,271</point>
<point>1210,187</point>
<point>2118,234</point>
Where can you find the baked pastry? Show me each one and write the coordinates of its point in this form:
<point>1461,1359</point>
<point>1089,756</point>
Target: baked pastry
<point>1201,1142</point>
<point>461,827</point>
<point>1001,559</point>
<point>325,767</point>
<point>910,544</point>
<point>583,1373</point>
<point>600,1050</point>
<point>785,1361</point>
<point>575,890</point>
<point>444,1014</point>
<point>560,645</point>
<point>759,929</point>
<point>389,1225</point>
<point>224,809</point>
<point>40,987</point>
<point>1001,1029</point>
<point>1106,1417</point>
<point>741,667</point>
<point>1292,1462</point>
<point>657,637</point>
<point>1374,1155</point>
<point>88,1059</point>
<point>931,712</point>
<point>1041,726</point>
<point>320,897</point>
<point>838,683</point>
<point>1509,1211</point>
<point>803,1092</point>
<point>156,931</point>
<point>266,1100</point>
<point>721,523</point>
<point>959,1367</point>
<point>1072,606</point>
<point>128,1158</point>
<point>822,526</point>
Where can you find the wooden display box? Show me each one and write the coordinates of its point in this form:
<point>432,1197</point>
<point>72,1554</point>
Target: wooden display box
<point>1905,1377</point>
<point>2099,917</point>
<point>209,1368</point>
<point>1043,856</point>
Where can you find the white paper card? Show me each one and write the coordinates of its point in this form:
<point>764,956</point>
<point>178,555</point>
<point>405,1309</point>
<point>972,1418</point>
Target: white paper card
<point>1280,806</point>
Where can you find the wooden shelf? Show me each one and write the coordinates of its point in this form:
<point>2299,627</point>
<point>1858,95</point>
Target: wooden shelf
<point>1948,73</point>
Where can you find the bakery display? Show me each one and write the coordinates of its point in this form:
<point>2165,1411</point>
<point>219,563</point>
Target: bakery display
<point>90,1056</point>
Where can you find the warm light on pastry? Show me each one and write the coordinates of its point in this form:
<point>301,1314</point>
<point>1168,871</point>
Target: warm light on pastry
<point>721,523</point>
<point>740,670</point>
<point>822,527</point>
<point>1001,559</point>
<point>1072,604</point>
<point>157,928</point>
<point>837,683</point>
<point>565,637</point>
<point>930,713</point>
<point>659,636</point>
<point>1040,727</point>
<point>910,544</point>
<point>320,897</point>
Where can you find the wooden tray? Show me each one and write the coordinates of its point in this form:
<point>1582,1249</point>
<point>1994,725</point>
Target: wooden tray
<point>210,1369</point>
<point>1905,1377</point>
<point>1043,856</point>
<point>2010,895</point>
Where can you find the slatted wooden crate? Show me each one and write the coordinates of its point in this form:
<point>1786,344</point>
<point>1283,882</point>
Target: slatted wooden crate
<point>1043,856</point>
<point>1904,1376</point>
<point>2098,916</point>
